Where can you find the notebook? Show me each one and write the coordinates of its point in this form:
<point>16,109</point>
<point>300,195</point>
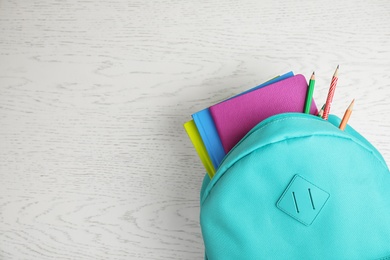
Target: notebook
<point>208,132</point>
<point>234,117</point>
<point>206,127</point>
<point>196,140</point>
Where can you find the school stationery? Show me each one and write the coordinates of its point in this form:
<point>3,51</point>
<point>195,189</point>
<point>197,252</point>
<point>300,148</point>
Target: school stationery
<point>208,132</point>
<point>209,135</point>
<point>235,117</point>
<point>196,140</point>
<point>346,116</point>
<point>310,91</point>
<point>332,89</point>
<point>321,112</point>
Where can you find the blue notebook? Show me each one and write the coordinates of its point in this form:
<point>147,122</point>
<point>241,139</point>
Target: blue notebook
<point>207,130</point>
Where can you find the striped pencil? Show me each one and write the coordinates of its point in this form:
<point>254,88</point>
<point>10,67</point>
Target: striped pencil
<point>332,89</point>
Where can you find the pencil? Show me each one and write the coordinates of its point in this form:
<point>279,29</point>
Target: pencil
<point>332,89</point>
<point>346,116</point>
<point>309,96</point>
<point>321,111</point>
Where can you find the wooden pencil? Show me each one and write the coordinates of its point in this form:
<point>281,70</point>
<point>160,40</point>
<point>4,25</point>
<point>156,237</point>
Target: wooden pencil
<point>309,96</point>
<point>346,116</point>
<point>321,112</point>
<point>332,89</point>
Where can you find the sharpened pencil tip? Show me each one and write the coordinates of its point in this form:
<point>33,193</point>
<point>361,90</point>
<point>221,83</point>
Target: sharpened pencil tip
<point>351,105</point>
<point>336,72</point>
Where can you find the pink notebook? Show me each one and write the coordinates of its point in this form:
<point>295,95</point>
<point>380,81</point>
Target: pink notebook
<point>234,117</point>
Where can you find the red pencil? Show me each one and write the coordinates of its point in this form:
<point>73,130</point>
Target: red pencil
<point>331,94</point>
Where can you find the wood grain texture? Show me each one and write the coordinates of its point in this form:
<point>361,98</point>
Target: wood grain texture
<point>94,161</point>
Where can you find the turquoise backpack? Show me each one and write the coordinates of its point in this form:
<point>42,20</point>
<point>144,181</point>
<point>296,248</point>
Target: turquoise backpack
<point>297,187</point>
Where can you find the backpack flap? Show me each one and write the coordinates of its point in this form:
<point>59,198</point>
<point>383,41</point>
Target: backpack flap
<point>298,187</point>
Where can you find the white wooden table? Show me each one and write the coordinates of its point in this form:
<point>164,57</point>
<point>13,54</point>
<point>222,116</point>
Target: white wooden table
<point>94,161</point>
